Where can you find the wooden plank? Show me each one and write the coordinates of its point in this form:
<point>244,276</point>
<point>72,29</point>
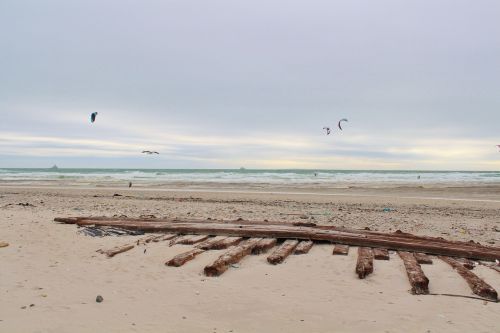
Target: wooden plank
<point>381,254</point>
<point>264,245</point>
<point>182,258</point>
<point>397,241</point>
<point>469,264</point>
<point>282,252</point>
<point>147,239</point>
<point>422,258</point>
<point>226,243</point>
<point>418,281</point>
<point>190,240</point>
<point>303,247</point>
<point>477,285</point>
<point>209,243</point>
<point>341,249</point>
<point>364,265</point>
<point>4,244</point>
<point>116,250</point>
<point>232,256</point>
<point>164,237</point>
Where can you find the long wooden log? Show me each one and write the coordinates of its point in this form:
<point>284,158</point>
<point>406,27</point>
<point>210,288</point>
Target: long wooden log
<point>264,245</point>
<point>209,243</point>
<point>469,264</point>
<point>182,258</point>
<point>116,250</point>
<point>226,243</point>
<point>381,254</point>
<point>422,258</point>
<point>303,247</point>
<point>477,285</point>
<point>148,239</point>
<point>282,252</point>
<point>341,249</point>
<point>413,244</point>
<point>364,265</point>
<point>190,240</point>
<point>232,256</point>
<point>418,281</point>
<point>164,238</point>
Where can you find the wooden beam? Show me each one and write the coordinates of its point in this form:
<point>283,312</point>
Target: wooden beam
<point>264,245</point>
<point>303,247</point>
<point>422,258</point>
<point>282,252</point>
<point>232,256</point>
<point>190,240</point>
<point>381,254</point>
<point>164,237</point>
<point>182,258</point>
<point>116,250</point>
<point>418,281</point>
<point>476,284</point>
<point>209,243</point>
<point>364,265</point>
<point>226,243</point>
<point>341,249</point>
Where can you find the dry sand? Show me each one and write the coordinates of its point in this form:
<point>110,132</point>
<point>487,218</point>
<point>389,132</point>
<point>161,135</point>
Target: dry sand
<point>57,270</point>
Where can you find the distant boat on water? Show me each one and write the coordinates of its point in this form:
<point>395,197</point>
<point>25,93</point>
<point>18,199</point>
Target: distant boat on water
<point>54,167</point>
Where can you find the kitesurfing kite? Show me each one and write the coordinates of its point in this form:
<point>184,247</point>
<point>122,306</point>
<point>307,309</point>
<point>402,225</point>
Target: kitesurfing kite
<point>93,116</point>
<point>498,146</point>
<point>149,152</point>
<point>328,130</point>
<point>340,122</point>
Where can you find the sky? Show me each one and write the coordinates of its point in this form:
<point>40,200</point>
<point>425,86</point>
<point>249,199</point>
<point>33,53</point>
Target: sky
<point>226,84</point>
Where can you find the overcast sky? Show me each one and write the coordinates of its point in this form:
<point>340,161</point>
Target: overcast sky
<point>222,84</point>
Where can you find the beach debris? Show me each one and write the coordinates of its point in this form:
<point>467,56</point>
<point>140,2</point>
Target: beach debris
<point>99,299</point>
<point>341,249</point>
<point>163,238</point>
<point>477,285</point>
<point>422,258</point>
<point>182,258</point>
<point>327,129</point>
<point>418,281</point>
<point>281,253</point>
<point>150,238</point>
<point>116,250</point>
<point>340,123</point>
<point>101,231</point>
<point>207,244</point>
<point>232,256</point>
<point>264,245</point>
<point>4,244</point>
<point>364,265</point>
<point>25,204</point>
<point>117,195</point>
<point>190,240</point>
<point>303,247</point>
<point>386,209</point>
<point>380,254</point>
<point>226,243</point>
<point>469,264</point>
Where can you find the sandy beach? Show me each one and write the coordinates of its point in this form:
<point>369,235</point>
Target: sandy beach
<point>51,274</point>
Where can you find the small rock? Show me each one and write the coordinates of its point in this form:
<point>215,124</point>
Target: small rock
<point>99,299</point>
<point>23,307</point>
<point>32,305</point>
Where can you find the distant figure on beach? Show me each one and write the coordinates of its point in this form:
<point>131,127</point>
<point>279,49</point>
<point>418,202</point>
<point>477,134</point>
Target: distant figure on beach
<point>93,116</point>
<point>418,177</point>
<point>129,184</point>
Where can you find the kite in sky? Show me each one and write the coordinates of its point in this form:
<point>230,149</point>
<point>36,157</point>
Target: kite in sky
<point>93,116</point>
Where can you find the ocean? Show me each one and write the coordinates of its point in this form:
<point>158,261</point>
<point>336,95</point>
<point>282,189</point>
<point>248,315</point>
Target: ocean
<point>242,176</point>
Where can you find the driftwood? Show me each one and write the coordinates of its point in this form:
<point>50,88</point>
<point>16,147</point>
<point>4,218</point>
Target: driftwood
<point>207,244</point>
<point>477,285</point>
<point>227,242</point>
<point>4,244</point>
<point>418,281</point>
<point>182,258</point>
<point>397,241</point>
<point>422,258</point>
<point>264,245</point>
<point>232,256</point>
<point>116,250</point>
<point>469,264</point>
<point>381,254</point>
<point>190,240</point>
<point>341,249</point>
<point>280,254</point>
<point>148,239</point>
<point>303,247</point>
<point>364,266</point>
<point>164,237</point>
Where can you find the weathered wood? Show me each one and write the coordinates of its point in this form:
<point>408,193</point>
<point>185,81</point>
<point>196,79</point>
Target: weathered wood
<point>364,265</point>
<point>397,241</point>
<point>303,247</point>
<point>380,254</point>
<point>477,285</point>
<point>494,267</point>
<point>422,258</point>
<point>341,249</point>
<point>182,258</point>
<point>209,243</point>
<point>227,242</point>
<point>164,238</point>
<point>418,281</point>
<point>282,252</point>
<point>232,256</point>
<point>116,250</point>
<point>4,244</point>
<point>264,245</point>
<point>193,239</point>
<point>148,239</point>
<point>469,264</point>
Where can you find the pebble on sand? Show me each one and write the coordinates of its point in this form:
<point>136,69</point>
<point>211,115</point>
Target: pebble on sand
<point>99,299</point>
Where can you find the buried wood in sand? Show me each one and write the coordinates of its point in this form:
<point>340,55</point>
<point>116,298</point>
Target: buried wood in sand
<point>232,256</point>
<point>281,253</point>
<point>380,254</point>
<point>303,247</point>
<point>182,258</point>
<point>341,249</point>
<point>4,244</point>
<point>264,245</point>
<point>364,265</point>
<point>116,250</point>
<point>422,258</point>
<point>418,281</point>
